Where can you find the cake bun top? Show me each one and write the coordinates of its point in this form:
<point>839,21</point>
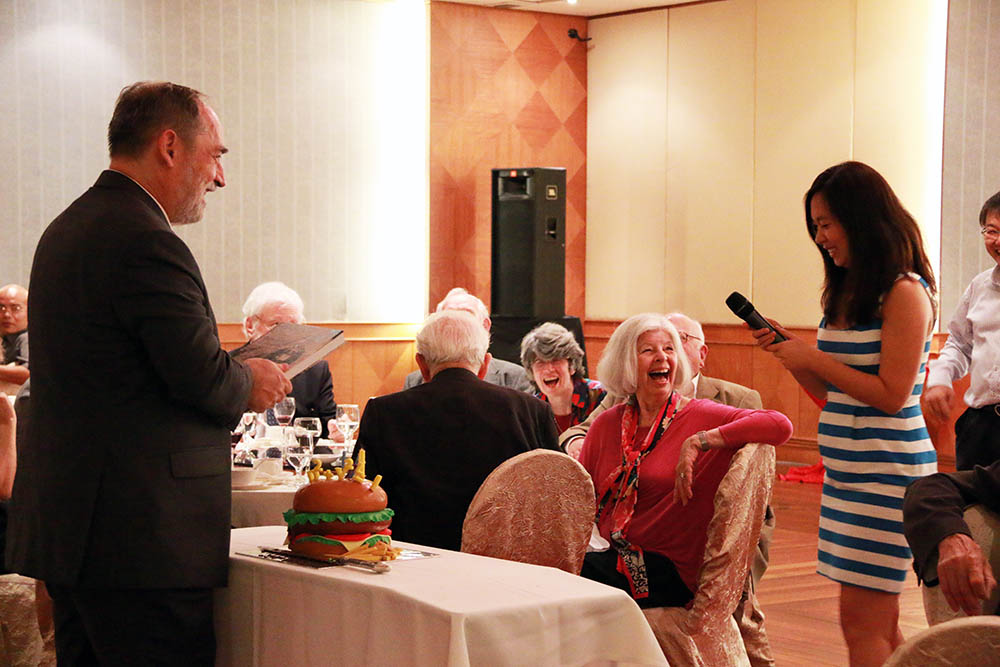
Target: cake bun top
<point>336,496</point>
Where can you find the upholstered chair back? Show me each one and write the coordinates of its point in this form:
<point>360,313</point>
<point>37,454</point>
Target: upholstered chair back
<point>973,641</point>
<point>706,634</point>
<point>536,507</point>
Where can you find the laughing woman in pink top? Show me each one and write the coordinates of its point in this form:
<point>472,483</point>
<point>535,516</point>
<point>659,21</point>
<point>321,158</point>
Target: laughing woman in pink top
<point>656,461</point>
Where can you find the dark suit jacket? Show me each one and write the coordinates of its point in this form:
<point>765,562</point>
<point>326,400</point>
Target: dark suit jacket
<point>313,393</point>
<point>933,509</point>
<point>123,473</point>
<point>434,445</point>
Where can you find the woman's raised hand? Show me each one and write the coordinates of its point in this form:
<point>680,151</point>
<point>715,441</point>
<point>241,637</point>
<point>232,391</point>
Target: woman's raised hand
<point>684,472</point>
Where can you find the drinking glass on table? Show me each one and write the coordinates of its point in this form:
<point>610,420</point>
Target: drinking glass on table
<point>301,438</point>
<point>348,418</point>
<point>248,422</point>
<point>284,410</point>
<point>299,458</point>
<point>310,424</point>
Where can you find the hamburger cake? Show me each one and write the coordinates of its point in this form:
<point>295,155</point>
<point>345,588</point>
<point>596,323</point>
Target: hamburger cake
<point>339,516</point>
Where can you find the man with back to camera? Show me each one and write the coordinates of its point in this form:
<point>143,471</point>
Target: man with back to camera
<point>121,502</point>
<point>973,346</point>
<point>436,443</point>
<point>273,303</point>
<point>14,328</point>
<point>749,617</point>
<point>501,373</point>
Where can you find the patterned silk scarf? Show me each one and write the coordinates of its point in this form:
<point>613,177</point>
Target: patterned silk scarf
<point>621,487</point>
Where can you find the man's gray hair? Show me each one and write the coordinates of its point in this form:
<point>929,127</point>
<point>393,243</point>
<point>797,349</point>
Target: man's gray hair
<point>551,342</point>
<point>459,298</point>
<point>618,369</point>
<point>272,292</point>
<point>453,337</point>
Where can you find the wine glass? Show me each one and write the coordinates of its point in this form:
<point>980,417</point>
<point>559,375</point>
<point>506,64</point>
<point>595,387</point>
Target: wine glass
<point>247,427</point>
<point>348,418</point>
<point>299,458</point>
<point>301,438</point>
<point>284,410</point>
<point>310,424</point>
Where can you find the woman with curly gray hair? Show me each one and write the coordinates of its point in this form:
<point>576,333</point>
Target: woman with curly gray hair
<point>554,362</point>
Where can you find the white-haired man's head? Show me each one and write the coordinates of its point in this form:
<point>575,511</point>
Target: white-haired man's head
<point>268,305</point>
<point>452,339</point>
<point>458,298</point>
<point>692,340</point>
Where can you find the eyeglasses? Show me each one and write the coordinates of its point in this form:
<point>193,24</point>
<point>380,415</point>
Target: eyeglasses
<point>684,336</point>
<point>990,233</point>
<point>14,308</point>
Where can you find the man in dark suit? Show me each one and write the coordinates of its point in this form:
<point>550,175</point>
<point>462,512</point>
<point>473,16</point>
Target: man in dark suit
<point>942,544</point>
<point>273,303</point>
<point>434,444</point>
<point>122,496</point>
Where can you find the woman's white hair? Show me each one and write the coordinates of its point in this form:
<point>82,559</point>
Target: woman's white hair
<point>272,292</point>
<point>453,337</point>
<point>550,342</point>
<point>618,369</point>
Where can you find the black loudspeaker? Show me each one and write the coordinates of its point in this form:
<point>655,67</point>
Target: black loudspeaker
<point>529,242</point>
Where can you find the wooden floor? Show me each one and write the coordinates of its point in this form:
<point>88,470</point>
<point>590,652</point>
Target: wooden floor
<point>800,606</point>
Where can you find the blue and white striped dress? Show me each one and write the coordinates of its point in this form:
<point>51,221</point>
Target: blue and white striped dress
<point>870,458</point>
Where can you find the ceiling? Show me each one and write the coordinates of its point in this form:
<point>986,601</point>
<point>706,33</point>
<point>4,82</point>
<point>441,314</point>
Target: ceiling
<point>581,8</point>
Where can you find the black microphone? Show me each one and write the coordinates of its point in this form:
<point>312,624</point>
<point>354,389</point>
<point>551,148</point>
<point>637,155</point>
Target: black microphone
<point>744,310</point>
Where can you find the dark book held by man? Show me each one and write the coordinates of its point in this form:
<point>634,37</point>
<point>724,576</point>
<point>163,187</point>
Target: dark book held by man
<point>298,345</point>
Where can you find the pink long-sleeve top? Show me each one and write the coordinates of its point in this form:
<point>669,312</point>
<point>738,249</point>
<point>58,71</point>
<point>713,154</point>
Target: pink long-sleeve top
<point>659,524</point>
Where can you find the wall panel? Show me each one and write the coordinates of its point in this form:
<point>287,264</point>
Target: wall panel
<point>324,109</point>
<point>804,124</point>
<point>508,89</point>
<point>627,156</point>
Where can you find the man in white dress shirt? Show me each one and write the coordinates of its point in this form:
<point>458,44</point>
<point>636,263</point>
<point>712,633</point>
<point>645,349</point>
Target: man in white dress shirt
<point>973,346</point>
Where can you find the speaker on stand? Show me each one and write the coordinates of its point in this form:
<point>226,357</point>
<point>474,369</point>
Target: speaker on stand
<point>529,256</point>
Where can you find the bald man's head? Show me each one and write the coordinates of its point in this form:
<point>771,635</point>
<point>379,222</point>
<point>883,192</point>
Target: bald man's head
<point>692,339</point>
<point>13,309</point>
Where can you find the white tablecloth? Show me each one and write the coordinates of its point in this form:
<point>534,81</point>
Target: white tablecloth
<point>453,609</point>
<point>261,507</point>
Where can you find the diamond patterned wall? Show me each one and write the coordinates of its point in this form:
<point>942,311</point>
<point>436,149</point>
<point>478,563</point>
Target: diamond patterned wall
<point>508,89</point>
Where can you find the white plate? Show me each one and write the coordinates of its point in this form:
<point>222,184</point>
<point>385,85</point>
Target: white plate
<point>256,486</point>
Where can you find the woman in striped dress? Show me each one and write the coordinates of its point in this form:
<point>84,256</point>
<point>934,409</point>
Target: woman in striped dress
<point>878,306</point>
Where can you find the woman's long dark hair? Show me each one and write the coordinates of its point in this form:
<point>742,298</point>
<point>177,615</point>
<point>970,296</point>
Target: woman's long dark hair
<point>883,237</point>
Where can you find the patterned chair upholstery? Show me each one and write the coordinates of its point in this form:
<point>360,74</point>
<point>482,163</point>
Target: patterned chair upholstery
<point>985,528</point>
<point>965,641</point>
<point>20,641</point>
<point>706,634</point>
<point>536,507</point>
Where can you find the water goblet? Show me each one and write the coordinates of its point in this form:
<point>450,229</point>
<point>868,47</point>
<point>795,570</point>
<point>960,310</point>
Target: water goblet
<point>310,424</point>
<point>299,458</point>
<point>348,418</point>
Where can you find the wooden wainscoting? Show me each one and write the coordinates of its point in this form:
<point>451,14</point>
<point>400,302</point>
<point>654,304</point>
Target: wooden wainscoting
<point>374,361</point>
<point>733,356</point>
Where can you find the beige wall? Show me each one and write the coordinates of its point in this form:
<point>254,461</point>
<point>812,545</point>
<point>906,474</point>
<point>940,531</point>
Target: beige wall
<point>627,164</point>
<point>760,96</point>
